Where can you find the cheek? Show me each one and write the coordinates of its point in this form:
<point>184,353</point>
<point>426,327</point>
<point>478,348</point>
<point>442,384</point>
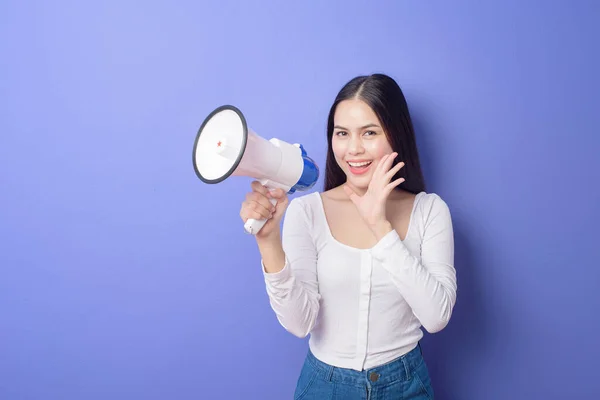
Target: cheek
<point>339,149</point>
<point>378,149</point>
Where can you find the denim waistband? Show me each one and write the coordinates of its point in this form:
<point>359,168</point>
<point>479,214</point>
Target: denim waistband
<point>400,369</point>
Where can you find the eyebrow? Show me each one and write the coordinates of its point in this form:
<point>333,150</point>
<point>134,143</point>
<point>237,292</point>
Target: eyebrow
<point>362,127</point>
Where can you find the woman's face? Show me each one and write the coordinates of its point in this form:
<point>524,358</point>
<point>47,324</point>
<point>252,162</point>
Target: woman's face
<point>359,142</point>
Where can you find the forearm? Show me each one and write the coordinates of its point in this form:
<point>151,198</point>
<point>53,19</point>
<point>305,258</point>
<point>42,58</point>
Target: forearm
<point>430,296</point>
<point>271,252</point>
<point>295,302</point>
<point>431,291</point>
<point>289,266</point>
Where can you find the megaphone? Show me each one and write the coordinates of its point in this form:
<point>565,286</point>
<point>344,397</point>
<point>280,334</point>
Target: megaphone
<point>225,146</point>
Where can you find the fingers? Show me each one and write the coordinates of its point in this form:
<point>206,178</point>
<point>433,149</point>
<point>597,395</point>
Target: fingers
<point>258,203</point>
<point>258,187</point>
<point>381,166</point>
<point>393,184</point>
<point>256,210</point>
<point>390,174</point>
<point>248,212</point>
<point>273,193</point>
<point>385,163</point>
<point>281,202</point>
<point>277,193</point>
<point>383,171</point>
<point>390,161</point>
<point>260,199</point>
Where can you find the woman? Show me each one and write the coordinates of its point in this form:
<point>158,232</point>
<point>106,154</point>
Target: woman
<point>368,262</point>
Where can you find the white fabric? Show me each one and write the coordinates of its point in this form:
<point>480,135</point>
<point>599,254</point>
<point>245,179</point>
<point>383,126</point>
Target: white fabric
<point>364,307</point>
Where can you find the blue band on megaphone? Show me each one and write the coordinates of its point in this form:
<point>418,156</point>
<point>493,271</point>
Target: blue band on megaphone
<point>310,174</point>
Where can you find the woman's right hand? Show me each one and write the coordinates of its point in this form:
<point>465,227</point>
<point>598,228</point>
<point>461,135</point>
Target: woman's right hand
<point>258,206</point>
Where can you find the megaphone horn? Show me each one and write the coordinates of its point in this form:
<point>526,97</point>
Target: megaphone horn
<point>225,147</point>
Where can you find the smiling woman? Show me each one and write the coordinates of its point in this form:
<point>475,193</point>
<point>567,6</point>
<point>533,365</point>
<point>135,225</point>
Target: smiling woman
<point>371,115</point>
<point>345,137</point>
<point>356,147</point>
<point>363,266</point>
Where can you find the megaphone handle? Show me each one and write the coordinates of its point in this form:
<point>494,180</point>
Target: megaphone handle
<point>253,226</point>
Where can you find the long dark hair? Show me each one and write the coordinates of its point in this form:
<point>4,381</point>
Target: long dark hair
<point>386,99</point>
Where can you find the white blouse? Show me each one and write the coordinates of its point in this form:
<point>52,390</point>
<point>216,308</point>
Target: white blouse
<point>364,307</point>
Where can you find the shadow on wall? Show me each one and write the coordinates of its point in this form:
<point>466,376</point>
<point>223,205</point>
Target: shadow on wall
<point>455,351</point>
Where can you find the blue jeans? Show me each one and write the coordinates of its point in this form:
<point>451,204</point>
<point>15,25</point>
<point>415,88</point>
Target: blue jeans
<point>406,377</point>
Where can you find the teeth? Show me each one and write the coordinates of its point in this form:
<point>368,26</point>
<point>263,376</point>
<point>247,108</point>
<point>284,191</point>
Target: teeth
<point>360,164</point>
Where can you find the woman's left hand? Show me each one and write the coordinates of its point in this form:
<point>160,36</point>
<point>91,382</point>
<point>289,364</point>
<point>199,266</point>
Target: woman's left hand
<point>372,204</point>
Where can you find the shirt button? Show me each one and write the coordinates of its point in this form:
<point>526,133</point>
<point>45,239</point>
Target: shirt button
<point>374,376</point>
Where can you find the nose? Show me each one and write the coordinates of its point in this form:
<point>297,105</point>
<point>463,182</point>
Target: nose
<point>355,146</point>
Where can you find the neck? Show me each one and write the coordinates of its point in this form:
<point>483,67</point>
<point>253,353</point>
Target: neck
<point>359,191</point>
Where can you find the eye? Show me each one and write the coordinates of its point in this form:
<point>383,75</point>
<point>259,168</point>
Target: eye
<point>340,133</point>
<point>370,133</point>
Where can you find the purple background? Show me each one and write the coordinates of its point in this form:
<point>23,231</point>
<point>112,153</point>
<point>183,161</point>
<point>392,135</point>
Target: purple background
<point>123,276</point>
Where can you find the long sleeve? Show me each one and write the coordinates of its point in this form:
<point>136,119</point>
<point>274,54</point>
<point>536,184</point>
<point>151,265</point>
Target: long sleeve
<point>429,285</point>
<point>293,292</point>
